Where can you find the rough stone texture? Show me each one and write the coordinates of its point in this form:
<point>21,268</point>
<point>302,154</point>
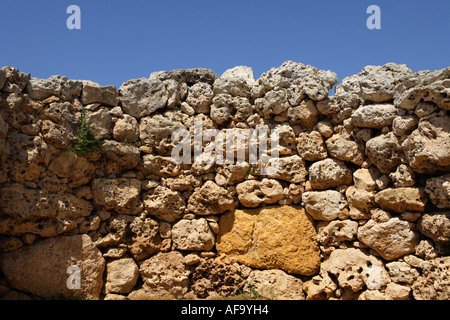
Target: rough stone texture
<point>323,205</point>
<point>374,116</point>
<point>391,239</point>
<point>145,239</point>
<point>427,148</point>
<point>433,283</point>
<point>275,285</point>
<point>402,199</point>
<point>343,147</point>
<point>274,237</point>
<point>192,235</point>
<point>384,152</point>
<point>41,269</point>
<point>37,211</point>
<point>436,225</point>
<point>164,204</point>
<point>95,93</point>
<point>142,97</point>
<point>165,275</point>
<point>121,275</point>
<point>333,233</point>
<point>374,83</point>
<point>252,193</point>
<point>329,173</point>
<point>310,146</point>
<point>210,199</point>
<point>121,195</point>
<point>438,190</point>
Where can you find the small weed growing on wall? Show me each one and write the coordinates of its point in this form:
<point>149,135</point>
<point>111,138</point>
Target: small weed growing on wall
<point>86,144</point>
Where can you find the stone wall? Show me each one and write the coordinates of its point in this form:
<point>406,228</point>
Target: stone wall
<point>358,208</point>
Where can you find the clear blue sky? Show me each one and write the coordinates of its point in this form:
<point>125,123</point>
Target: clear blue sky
<point>122,40</point>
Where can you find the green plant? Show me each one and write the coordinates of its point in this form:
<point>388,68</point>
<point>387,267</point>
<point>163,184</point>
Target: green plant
<point>86,142</point>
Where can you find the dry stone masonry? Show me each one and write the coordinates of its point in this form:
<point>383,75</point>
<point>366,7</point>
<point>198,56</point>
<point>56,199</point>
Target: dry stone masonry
<point>359,207</point>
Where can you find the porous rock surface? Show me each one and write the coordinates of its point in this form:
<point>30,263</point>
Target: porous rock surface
<point>352,203</point>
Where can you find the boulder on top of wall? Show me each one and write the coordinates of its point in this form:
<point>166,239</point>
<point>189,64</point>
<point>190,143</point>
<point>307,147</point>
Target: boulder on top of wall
<point>16,81</point>
<point>95,93</point>
<point>141,97</point>
<point>374,83</point>
<point>59,86</point>
<point>189,76</point>
<point>300,81</point>
<point>424,86</point>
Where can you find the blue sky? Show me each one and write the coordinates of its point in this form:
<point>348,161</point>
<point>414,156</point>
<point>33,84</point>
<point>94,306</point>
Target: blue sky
<point>122,40</point>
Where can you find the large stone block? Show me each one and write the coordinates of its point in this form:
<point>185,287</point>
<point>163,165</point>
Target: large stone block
<point>278,237</point>
<point>42,268</point>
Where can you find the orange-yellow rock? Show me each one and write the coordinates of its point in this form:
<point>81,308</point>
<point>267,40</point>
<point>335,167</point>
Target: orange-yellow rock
<point>276,237</point>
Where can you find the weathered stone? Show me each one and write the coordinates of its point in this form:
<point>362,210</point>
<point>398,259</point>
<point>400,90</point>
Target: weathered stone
<point>270,238</point>
<point>365,179</point>
<point>402,199</point>
<point>427,148</point>
<point>433,283</point>
<point>436,225</point>
<point>360,202</point>
<point>323,205</point>
<point>162,166</point>
<point>305,114</point>
<point>121,275</point>
<point>355,269</point>
<point>57,135</point>
<point>126,129</point>
<point>42,268</point>
<point>291,169</point>
<point>121,195</point>
<point>275,285</point>
<point>215,277</point>
<point>192,235</point>
<point>342,146</point>
<point>190,76</point>
<point>95,93</point>
<point>200,96</point>
<point>252,193</point>
<point>37,211</point>
<point>273,103</point>
<point>384,152</point>
<point>164,204</point>
<point>403,176</point>
<point>16,81</point>
<point>374,116</point>
<point>438,190</point>
<point>329,173</point>
<point>165,275</point>
<point>302,80</point>
<point>335,232</point>
<point>401,272</point>
<point>374,83</point>
<point>145,239</point>
<point>210,199</point>
<point>28,157</point>
<point>79,170</point>
<point>310,146</point>
<point>403,124</point>
<point>392,239</point>
<point>156,134</point>
<point>119,156</point>
<point>242,73</point>
<point>141,97</point>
